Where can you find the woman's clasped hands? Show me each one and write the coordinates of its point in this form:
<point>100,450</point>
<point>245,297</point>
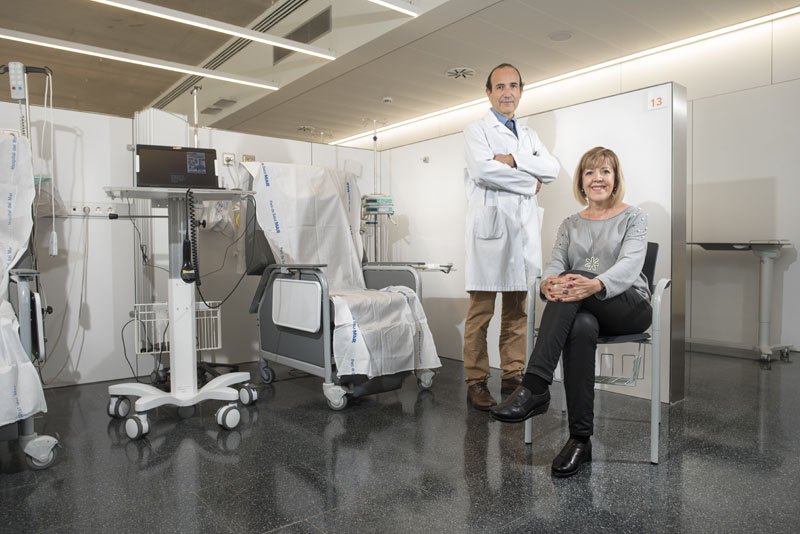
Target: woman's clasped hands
<point>570,287</point>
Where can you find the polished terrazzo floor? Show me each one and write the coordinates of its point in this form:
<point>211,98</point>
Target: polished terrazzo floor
<point>420,461</point>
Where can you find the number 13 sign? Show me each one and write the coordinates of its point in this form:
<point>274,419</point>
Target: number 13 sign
<point>658,98</point>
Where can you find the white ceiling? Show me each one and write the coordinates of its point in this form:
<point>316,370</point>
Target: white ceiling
<point>379,54</point>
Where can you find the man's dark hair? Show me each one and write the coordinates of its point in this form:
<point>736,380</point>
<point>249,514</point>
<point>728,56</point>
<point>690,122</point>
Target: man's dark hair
<point>500,66</point>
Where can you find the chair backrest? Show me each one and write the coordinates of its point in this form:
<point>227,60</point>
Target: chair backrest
<point>649,267</point>
<point>310,215</point>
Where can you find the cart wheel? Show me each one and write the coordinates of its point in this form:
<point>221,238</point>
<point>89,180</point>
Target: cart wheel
<point>185,412</point>
<point>118,407</point>
<point>336,406</point>
<point>267,374</point>
<point>766,364</point>
<point>37,465</point>
<point>785,354</point>
<point>248,394</point>
<point>228,416</point>
<point>137,426</point>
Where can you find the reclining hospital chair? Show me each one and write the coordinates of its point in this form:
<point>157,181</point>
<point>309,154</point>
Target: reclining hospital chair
<point>21,331</point>
<point>320,308</point>
<point>636,369</point>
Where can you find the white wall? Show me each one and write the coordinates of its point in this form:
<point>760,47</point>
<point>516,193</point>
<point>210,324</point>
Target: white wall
<point>742,183</point>
<point>90,283</point>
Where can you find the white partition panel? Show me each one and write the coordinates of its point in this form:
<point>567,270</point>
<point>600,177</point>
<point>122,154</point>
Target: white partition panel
<point>426,180</point>
<point>638,126</point>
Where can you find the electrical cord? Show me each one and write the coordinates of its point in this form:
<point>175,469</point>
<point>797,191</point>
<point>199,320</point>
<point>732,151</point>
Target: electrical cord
<point>125,351</point>
<point>227,249</point>
<point>81,306</point>
<point>145,258</point>
<point>247,268</point>
<point>162,345</point>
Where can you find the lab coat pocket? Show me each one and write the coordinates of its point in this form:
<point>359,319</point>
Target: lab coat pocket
<point>489,223</point>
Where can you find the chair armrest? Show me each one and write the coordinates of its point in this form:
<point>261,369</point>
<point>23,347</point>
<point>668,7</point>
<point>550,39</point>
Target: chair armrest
<point>533,291</point>
<point>286,268</point>
<point>394,263</point>
<point>387,279</point>
<point>655,301</point>
<point>419,265</point>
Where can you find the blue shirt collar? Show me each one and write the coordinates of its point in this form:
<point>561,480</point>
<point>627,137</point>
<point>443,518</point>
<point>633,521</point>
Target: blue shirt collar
<point>503,119</point>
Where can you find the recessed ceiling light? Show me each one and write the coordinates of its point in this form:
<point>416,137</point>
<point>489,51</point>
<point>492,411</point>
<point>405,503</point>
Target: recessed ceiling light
<point>104,53</point>
<point>460,73</point>
<point>561,35</point>
<point>400,6</point>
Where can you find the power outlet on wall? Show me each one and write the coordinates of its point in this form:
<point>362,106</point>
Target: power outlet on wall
<point>248,157</point>
<point>92,209</point>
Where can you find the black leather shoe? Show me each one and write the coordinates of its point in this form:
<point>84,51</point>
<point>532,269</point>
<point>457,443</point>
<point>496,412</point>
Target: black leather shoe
<point>521,405</point>
<point>571,457</point>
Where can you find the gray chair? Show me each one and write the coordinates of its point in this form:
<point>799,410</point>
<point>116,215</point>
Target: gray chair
<point>651,338</point>
<point>311,351</point>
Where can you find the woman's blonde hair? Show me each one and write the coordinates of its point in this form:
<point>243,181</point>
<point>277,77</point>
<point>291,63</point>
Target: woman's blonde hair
<point>594,158</point>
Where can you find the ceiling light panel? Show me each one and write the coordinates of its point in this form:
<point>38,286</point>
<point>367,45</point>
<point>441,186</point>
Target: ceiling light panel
<point>218,26</point>
<point>398,5</point>
<point>105,53</point>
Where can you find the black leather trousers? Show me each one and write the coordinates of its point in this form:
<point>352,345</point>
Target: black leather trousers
<point>572,329</point>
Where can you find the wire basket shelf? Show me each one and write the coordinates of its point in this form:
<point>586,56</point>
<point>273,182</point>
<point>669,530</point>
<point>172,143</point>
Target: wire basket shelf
<point>152,327</point>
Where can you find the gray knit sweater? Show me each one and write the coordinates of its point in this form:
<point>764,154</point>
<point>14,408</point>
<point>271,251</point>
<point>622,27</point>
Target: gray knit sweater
<point>613,248</point>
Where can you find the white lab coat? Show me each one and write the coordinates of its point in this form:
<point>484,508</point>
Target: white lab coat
<point>503,237</point>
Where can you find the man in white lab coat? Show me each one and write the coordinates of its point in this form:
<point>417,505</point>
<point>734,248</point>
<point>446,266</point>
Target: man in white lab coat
<point>507,166</point>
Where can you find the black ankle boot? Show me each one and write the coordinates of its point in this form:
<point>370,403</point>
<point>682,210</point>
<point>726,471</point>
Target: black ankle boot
<point>571,457</point>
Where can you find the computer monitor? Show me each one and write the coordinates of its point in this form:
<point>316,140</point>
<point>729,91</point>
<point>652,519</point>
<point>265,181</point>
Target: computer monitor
<point>175,166</point>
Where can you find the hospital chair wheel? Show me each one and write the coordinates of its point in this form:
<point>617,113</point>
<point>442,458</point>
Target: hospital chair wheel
<point>37,465</point>
<point>119,407</point>
<point>248,394</point>
<point>267,374</point>
<point>185,412</point>
<point>228,416</point>
<point>137,426</point>
<point>340,405</point>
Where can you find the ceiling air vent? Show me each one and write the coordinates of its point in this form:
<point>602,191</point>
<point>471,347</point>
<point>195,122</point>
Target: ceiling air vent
<point>275,16</point>
<point>313,28</point>
<point>211,110</point>
<point>460,73</point>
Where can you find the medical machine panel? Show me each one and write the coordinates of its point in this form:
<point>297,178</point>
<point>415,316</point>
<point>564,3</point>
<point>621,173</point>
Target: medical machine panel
<point>168,166</point>
<point>16,73</point>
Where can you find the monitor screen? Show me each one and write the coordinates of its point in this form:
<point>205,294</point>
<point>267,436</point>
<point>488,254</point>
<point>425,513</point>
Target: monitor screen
<point>174,166</point>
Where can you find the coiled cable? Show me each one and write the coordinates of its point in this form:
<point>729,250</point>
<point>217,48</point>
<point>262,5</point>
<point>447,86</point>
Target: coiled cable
<point>192,229</point>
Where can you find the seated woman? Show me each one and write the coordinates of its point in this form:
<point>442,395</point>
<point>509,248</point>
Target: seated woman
<point>594,284</point>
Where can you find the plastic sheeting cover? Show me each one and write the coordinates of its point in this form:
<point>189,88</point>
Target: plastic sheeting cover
<point>21,394</point>
<point>311,215</point>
